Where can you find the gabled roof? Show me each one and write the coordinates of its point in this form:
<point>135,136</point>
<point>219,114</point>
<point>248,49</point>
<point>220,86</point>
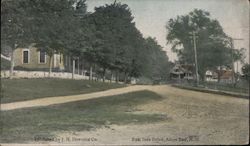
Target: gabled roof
<point>183,68</point>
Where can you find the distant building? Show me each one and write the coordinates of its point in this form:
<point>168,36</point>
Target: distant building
<point>226,76</point>
<point>182,71</point>
<point>223,74</point>
<point>211,76</point>
<point>32,58</point>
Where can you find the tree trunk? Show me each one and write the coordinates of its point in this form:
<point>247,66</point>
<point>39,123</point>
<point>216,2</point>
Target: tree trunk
<point>116,76</point>
<point>66,61</point>
<point>82,65</point>
<point>50,64</point>
<point>103,74</point>
<point>78,66</point>
<point>73,69</point>
<point>90,72</point>
<point>125,77</point>
<point>69,61</point>
<point>12,63</point>
<point>111,77</point>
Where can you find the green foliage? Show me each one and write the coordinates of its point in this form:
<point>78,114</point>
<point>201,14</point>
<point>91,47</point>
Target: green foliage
<point>15,30</point>
<point>107,38</point>
<point>239,55</point>
<point>213,46</point>
<point>115,37</point>
<point>156,64</point>
<point>119,46</point>
<point>246,71</point>
<point>51,22</point>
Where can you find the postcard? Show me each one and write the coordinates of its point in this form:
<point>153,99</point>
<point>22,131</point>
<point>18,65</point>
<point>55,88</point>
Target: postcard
<point>124,72</point>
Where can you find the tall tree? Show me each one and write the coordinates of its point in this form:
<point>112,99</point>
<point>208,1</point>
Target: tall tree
<point>52,23</point>
<point>78,37</point>
<point>213,45</point>
<point>156,64</point>
<point>15,28</point>
<point>115,37</point>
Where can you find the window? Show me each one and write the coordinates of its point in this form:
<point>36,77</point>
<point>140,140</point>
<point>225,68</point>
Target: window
<point>26,56</point>
<point>42,56</point>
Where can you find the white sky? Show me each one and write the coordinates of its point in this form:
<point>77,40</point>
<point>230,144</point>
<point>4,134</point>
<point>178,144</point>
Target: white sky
<point>151,17</point>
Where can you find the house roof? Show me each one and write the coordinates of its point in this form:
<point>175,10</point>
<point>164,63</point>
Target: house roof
<point>183,68</point>
<point>224,74</point>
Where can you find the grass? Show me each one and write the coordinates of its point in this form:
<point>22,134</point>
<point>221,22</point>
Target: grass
<point>227,87</point>
<point>221,86</point>
<point>26,89</point>
<point>24,124</point>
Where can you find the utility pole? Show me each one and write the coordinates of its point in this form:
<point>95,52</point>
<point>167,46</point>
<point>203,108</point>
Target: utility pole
<point>195,56</point>
<point>232,48</point>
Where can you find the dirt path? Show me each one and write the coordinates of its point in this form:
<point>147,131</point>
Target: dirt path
<point>71,98</point>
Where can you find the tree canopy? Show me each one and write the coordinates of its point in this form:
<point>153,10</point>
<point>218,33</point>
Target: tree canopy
<point>213,45</point>
<point>107,38</point>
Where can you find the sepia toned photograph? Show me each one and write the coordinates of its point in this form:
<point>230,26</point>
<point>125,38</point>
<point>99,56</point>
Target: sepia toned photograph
<point>124,72</point>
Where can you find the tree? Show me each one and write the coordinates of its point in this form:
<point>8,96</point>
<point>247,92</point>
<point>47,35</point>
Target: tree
<point>213,45</point>
<point>51,25</point>
<point>246,71</point>
<point>78,39</point>
<point>239,55</point>
<point>15,29</point>
<point>156,64</point>
<point>116,38</point>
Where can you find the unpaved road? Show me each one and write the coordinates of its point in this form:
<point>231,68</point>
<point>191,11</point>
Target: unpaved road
<point>70,98</point>
<point>192,118</point>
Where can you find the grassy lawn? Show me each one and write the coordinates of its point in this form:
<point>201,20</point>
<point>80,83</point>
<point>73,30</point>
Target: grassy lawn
<point>24,124</point>
<point>221,86</point>
<point>25,89</point>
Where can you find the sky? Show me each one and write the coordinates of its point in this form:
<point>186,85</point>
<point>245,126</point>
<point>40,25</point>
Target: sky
<point>151,17</point>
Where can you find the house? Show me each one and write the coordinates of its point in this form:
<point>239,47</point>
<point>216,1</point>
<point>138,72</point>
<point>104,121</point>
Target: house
<point>227,76</point>
<point>32,58</point>
<point>211,76</point>
<point>223,74</point>
<point>182,71</point>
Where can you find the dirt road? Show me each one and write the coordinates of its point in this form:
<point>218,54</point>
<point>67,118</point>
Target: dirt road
<point>71,98</point>
<point>192,118</point>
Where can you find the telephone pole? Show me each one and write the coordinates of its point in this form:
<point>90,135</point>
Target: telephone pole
<point>232,48</point>
<point>194,37</point>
